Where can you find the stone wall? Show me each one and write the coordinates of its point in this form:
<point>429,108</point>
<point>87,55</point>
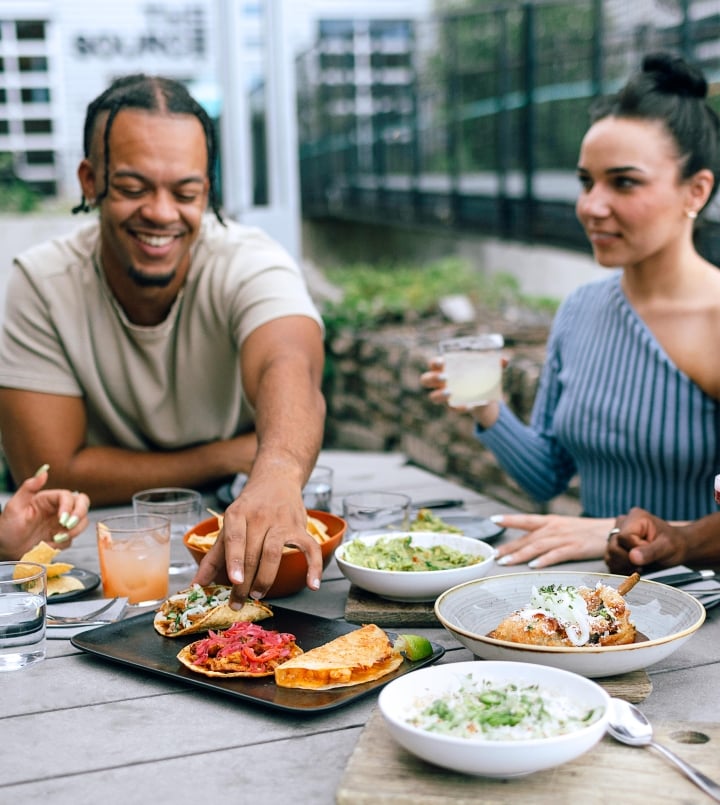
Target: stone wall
<point>375,403</point>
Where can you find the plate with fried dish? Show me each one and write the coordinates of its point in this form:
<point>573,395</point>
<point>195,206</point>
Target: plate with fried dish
<point>358,664</point>
<point>594,624</point>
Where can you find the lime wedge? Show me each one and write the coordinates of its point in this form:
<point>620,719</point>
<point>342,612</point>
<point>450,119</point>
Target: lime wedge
<point>413,646</point>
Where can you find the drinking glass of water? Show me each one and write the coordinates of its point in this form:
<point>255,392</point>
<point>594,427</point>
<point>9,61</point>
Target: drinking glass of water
<point>317,492</point>
<point>23,601</point>
<point>375,511</point>
<point>184,509</point>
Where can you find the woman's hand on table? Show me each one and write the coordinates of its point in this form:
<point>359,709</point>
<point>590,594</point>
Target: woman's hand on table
<point>34,515</point>
<point>553,538</point>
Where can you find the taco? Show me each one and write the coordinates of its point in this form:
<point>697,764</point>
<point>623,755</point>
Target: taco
<point>363,655</point>
<point>199,609</point>
<point>245,649</point>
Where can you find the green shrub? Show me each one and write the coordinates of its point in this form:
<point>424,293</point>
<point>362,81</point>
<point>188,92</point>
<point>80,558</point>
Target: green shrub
<point>377,294</point>
<point>15,194</point>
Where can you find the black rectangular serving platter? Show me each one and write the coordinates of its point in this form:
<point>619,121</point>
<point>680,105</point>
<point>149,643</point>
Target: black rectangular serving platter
<point>135,643</point>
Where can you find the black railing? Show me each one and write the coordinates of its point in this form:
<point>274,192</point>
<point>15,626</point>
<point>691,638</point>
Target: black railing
<point>473,120</point>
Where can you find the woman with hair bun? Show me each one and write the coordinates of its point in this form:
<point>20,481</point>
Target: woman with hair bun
<point>629,398</point>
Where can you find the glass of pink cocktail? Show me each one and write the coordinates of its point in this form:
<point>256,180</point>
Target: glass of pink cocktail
<point>134,553</point>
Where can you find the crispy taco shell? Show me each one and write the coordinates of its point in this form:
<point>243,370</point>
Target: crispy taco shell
<point>186,658</point>
<point>363,655</point>
<point>217,617</point>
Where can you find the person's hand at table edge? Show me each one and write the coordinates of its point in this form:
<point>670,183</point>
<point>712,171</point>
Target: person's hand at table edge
<point>641,540</point>
<point>552,538</point>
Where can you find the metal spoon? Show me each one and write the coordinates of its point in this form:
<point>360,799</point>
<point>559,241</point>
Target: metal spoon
<point>629,726</point>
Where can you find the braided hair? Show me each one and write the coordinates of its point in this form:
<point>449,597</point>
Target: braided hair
<point>673,92</point>
<point>153,94</point>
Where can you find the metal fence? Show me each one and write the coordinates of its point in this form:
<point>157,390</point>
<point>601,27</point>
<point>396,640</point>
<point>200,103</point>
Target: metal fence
<point>472,120</point>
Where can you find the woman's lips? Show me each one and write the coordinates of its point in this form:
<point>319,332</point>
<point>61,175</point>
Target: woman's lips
<point>603,238</point>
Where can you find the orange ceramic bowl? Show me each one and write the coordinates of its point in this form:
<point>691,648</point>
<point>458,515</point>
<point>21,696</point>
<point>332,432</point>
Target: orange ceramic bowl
<point>293,565</point>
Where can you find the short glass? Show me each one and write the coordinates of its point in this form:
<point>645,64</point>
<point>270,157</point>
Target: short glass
<point>473,369</point>
<point>317,492</point>
<point>23,603</point>
<point>134,553</point>
<point>375,511</point>
<point>184,509</point>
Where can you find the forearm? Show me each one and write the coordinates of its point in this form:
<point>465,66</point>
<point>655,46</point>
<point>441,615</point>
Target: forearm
<point>111,475</point>
<point>290,421</point>
<point>534,461</point>
<point>702,539</point>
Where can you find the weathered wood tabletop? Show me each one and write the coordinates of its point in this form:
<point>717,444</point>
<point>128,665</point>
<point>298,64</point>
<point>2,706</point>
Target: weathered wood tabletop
<point>78,729</point>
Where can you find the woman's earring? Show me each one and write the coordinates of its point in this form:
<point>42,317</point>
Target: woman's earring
<point>691,214</point>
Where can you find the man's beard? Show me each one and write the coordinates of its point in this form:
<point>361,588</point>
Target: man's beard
<point>150,280</point>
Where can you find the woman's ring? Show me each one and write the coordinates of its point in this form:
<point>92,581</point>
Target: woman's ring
<point>613,532</point>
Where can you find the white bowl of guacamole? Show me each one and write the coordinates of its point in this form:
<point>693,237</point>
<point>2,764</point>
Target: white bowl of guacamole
<point>413,565</point>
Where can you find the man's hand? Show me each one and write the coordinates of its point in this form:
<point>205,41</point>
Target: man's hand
<point>256,527</point>
<point>641,539</point>
<point>553,538</point>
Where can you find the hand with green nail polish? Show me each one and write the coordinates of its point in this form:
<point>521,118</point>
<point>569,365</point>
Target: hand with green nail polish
<point>34,514</point>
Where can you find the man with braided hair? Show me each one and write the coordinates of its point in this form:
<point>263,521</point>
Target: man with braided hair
<point>163,346</point>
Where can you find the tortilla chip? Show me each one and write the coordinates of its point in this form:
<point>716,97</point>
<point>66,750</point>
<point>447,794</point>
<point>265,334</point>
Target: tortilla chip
<point>316,528</point>
<point>58,569</point>
<point>42,553</point>
<point>63,584</point>
<point>203,541</point>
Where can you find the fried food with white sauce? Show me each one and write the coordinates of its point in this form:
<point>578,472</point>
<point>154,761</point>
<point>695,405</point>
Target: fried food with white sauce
<point>563,615</point>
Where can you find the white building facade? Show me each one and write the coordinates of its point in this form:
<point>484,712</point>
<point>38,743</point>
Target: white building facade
<point>55,57</point>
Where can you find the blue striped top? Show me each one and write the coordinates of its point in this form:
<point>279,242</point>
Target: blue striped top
<point>613,408</point>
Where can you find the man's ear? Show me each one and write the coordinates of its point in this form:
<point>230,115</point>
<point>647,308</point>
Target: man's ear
<point>88,180</point>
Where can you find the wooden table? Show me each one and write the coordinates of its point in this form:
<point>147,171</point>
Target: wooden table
<point>76,729</point>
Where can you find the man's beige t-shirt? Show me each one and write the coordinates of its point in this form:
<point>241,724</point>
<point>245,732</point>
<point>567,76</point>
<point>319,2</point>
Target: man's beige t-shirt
<point>147,388</point>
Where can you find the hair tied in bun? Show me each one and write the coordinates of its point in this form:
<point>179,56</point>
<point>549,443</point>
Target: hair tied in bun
<point>674,75</point>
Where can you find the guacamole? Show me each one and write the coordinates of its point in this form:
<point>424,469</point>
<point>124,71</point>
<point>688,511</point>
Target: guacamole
<point>399,553</point>
<point>427,521</point>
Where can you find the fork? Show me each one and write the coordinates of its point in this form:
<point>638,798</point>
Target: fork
<point>85,620</point>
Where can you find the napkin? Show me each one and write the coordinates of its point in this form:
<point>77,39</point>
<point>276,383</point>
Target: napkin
<point>707,591</point>
<point>81,608</point>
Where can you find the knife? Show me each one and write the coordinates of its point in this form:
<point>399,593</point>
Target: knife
<point>439,503</point>
<point>685,577</point>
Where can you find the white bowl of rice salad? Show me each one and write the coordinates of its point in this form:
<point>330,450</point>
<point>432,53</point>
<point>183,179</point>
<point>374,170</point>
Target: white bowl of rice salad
<point>495,719</point>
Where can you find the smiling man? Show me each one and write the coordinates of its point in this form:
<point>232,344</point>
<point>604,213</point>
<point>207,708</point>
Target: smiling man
<point>162,346</point>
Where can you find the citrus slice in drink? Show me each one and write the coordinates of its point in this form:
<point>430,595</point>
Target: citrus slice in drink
<point>413,646</point>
